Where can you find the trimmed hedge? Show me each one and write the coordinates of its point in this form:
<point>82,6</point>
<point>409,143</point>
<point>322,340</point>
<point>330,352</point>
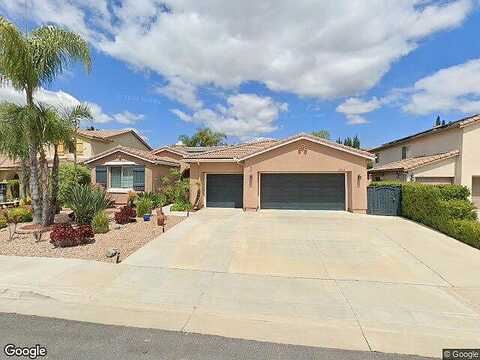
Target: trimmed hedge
<point>467,231</point>
<point>443,207</point>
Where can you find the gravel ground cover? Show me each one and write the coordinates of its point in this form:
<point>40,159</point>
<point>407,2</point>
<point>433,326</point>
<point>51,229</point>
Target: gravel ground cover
<point>126,238</point>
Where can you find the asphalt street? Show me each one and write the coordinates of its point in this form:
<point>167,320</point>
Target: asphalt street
<point>80,340</point>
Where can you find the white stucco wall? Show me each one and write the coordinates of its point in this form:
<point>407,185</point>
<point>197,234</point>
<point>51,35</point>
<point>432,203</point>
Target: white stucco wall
<point>428,145</point>
<point>470,157</point>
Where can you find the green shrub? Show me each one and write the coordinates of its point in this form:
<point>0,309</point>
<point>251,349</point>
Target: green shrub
<point>181,206</point>
<point>20,215</point>
<point>458,209</point>
<point>3,222</point>
<point>467,231</point>
<point>157,199</point>
<point>85,201</point>
<point>144,206</point>
<point>174,188</point>
<point>100,223</point>
<point>443,207</point>
<point>68,178</point>
<point>452,192</point>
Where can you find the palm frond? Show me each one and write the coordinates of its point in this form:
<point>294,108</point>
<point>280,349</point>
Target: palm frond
<point>15,59</point>
<point>13,123</point>
<point>53,49</point>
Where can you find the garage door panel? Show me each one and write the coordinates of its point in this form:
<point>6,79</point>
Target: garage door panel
<point>225,190</point>
<point>303,191</point>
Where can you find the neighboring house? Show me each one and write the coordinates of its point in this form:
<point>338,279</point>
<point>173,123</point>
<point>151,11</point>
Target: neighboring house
<point>300,172</point>
<point>93,142</point>
<point>8,169</point>
<point>89,144</point>
<point>447,154</point>
<point>121,170</point>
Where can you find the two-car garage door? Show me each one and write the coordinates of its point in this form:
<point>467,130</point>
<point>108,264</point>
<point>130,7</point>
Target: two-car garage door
<point>302,191</point>
<point>280,191</point>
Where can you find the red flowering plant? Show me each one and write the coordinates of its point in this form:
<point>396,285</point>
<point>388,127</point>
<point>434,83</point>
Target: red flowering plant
<point>65,235</point>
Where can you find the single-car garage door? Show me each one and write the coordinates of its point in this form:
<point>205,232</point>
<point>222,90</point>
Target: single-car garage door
<point>225,190</point>
<point>302,191</point>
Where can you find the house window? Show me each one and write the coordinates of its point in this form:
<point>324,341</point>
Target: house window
<point>127,177</point>
<point>101,176</point>
<point>404,152</point>
<point>377,158</point>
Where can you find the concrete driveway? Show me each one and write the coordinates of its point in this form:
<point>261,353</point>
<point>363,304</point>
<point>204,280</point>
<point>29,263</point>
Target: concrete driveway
<point>328,279</point>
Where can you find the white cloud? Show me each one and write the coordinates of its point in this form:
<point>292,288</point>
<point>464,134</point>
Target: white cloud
<point>181,91</point>
<point>357,106</point>
<point>315,48</point>
<point>128,118</point>
<point>63,99</point>
<point>353,107</point>
<point>456,88</point>
<point>245,115</point>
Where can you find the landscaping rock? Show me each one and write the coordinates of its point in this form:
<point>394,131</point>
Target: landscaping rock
<point>111,252</point>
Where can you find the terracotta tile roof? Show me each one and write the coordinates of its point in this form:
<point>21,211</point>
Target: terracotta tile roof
<point>414,162</point>
<point>234,151</point>
<point>188,150</point>
<point>329,143</point>
<point>450,125</point>
<point>243,151</point>
<point>143,154</point>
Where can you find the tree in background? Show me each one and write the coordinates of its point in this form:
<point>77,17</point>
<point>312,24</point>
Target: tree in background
<point>356,142</point>
<point>29,61</point>
<point>438,122</point>
<point>203,137</point>
<point>348,141</point>
<point>323,134</point>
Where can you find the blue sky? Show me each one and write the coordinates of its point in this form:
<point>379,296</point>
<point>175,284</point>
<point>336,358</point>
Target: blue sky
<point>386,70</point>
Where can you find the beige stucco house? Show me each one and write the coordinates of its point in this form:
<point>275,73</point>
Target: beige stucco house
<point>300,172</point>
<point>447,154</point>
<point>121,170</point>
<point>89,144</point>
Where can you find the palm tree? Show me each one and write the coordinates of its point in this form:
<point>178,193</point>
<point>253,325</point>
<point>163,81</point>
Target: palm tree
<point>13,142</point>
<point>30,61</point>
<point>63,130</point>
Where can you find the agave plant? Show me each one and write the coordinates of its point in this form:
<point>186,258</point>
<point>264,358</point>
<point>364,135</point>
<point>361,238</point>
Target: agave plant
<point>85,201</point>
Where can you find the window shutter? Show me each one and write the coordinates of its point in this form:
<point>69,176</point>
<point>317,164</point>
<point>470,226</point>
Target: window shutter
<point>139,178</point>
<point>101,175</point>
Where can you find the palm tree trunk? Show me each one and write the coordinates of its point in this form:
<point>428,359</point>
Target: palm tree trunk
<point>45,188</point>
<point>33,161</point>
<point>34,188</point>
<point>54,195</point>
<point>23,178</point>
